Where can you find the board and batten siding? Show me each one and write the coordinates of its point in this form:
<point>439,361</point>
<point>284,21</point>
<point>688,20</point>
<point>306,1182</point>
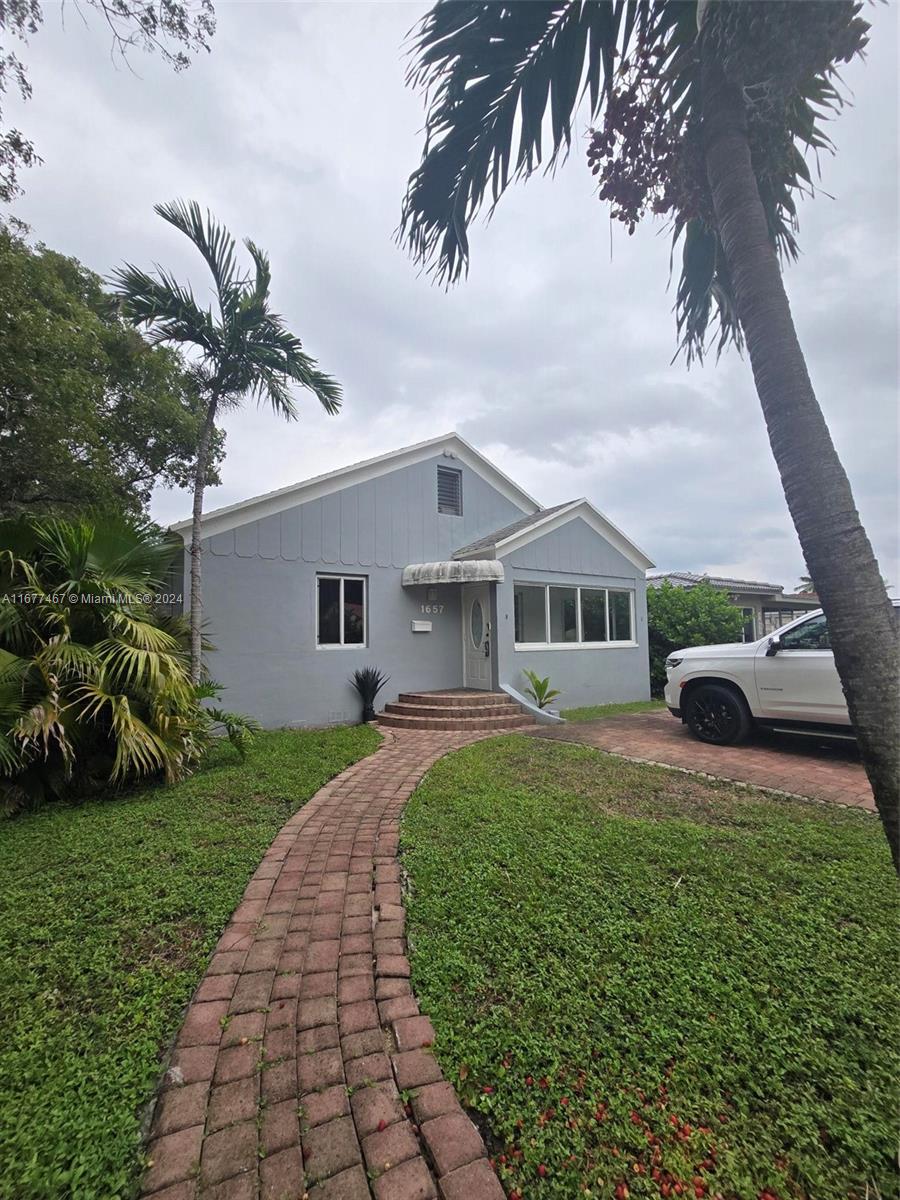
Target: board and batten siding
<point>386,522</point>
<point>259,594</point>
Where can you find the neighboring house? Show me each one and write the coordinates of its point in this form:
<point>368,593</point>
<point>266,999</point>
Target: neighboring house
<point>430,564</point>
<point>764,606</point>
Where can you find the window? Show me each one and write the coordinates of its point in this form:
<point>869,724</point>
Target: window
<point>340,610</point>
<point>774,618</point>
<point>563,614</point>
<point>547,615</point>
<point>749,629</point>
<point>619,616</point>
<point>449,489</point>
<point>530,613</point>
<point>811,635</point>
<point>593,615</point>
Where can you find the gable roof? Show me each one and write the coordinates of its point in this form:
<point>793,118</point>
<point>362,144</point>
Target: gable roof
<point>690,579</point>
<point>512,537</point>
<point>453,446</point>
<point>490,540</point>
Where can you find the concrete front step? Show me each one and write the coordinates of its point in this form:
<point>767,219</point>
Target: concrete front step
<point>481,711</point>
<point>456,698</point>
<point>472,724</point>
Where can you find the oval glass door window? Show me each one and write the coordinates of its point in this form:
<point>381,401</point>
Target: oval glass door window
<point>477,624</point>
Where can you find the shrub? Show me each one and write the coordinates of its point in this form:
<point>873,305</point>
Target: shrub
<point>680,617</point>
<point>95,689</point>
<point>369,681</point>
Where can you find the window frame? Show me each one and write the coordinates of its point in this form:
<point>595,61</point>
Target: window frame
<point>342,645</point>
<point>789,649</point>
<point>578,644</point>
<point>445,512</point>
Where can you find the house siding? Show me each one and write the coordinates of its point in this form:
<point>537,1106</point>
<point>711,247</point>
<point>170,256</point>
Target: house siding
<point>575,555</point>
<point>259,589</point>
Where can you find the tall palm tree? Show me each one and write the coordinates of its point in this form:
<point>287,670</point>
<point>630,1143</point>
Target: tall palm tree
<point>706,111</point>
<point>244,349</point>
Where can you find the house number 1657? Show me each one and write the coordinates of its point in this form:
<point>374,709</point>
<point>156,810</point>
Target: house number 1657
<point>432,608</point>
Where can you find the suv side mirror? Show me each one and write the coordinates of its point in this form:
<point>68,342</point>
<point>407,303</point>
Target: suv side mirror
<point>773,647</point>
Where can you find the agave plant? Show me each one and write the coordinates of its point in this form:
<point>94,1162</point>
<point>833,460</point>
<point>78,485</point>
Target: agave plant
<point>368,682</point>
<point>95,687</point>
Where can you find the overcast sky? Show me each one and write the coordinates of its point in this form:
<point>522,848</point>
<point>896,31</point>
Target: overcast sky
<point>553,358</point>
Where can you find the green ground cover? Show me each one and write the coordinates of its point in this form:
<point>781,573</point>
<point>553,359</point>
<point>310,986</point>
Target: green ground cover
<point>592,711</point>
<point>651,985</point>
<point>109,911</point>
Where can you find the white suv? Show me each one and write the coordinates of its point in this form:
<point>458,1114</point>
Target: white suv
<point>787,682</point>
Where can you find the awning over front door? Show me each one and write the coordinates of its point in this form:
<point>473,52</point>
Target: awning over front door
<point>471,570</point>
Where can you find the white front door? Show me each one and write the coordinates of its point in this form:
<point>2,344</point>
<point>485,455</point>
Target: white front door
<point>476,630</point>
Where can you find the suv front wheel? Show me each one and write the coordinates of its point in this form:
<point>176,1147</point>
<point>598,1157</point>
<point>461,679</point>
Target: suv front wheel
<point>717,715</point>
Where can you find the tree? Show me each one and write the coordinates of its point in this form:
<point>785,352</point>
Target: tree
<point>244,350</point>
<point>706,111</point>
<point>94,682</point>
<point>678,617</point>
<point>805,584</point>
<point>151,25</point>
<point>91,416</point>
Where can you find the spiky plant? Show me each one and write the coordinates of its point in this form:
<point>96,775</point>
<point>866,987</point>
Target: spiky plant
<point>95,689</point>
<point>369,681</point>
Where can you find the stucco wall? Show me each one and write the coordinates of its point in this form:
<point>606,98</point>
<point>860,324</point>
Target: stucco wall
<point>260,595</point>
<point>575,555</point>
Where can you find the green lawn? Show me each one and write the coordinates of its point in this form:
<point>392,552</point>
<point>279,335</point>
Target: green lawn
<point>650,982</point>
<point>109,913</point>
<point>592,711</point>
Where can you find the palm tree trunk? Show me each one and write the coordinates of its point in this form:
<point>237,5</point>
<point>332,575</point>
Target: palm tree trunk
<point>196,534</point>
<point>837,551</point>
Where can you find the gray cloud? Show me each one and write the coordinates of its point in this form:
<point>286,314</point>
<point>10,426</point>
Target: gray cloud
<point>554,357</point>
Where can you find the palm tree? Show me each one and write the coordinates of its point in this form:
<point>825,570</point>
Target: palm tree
<point>94,685</point>
<point>244,349</point>
<point>705,108</point>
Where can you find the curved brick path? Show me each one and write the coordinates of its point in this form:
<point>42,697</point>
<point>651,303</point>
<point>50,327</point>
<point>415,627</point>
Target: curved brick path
<point>285,1082</point>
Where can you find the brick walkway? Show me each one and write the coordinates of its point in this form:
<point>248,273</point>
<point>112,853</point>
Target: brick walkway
<point>802,766</point>
<point>287,1075</point>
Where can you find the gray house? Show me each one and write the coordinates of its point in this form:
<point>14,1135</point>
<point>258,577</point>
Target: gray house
<point>430,564</point>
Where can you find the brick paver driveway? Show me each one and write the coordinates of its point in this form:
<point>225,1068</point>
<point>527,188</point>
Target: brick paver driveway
<point>800,765</point>
<point>286,1077</point>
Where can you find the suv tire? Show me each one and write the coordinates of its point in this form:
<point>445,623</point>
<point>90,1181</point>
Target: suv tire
<point>718,715</point>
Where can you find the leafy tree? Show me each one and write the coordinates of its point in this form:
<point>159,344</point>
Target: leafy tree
<point>91,416</point>
<point>244,350</point>
<point>805,584</point>
<point>704,113</point>
<point>679,617</point>
<point>94,682</point>
<point>166,26</point>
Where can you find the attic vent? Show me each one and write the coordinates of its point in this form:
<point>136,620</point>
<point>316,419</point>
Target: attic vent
<point>449,488</point>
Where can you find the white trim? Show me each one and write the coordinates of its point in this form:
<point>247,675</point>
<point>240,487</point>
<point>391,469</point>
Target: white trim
<point>578,508</point>
<point>455,448</point>
<point>578,589</point>
<point>342,645</point>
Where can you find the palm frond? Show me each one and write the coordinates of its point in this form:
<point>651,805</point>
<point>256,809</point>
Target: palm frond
<point>487,68</point>
<point>166,307</point>
<point>213,240</point>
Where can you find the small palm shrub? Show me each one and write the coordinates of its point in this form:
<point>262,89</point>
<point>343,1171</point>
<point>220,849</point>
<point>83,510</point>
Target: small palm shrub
<point>368,682</point>
<point>95,688</point>
<point>540,690</point>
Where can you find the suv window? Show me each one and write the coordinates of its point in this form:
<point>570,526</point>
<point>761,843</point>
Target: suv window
<point>811,635</point>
